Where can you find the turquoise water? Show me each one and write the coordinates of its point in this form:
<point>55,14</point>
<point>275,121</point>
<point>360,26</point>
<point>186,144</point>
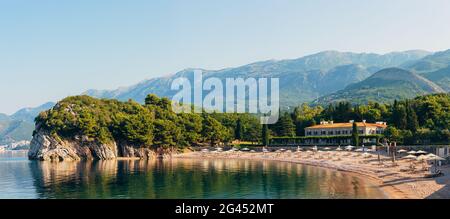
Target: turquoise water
<point>179,178</point>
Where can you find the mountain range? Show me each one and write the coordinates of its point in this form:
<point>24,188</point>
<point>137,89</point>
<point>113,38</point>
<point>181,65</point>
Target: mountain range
<point>430,74</point>
<point>301,80</point>
<point>384,86</point>
<point>321,78</point>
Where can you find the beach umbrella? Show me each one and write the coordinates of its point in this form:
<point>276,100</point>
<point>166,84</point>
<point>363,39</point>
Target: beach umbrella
<point>434,157</point>
<point>411,152</point>
<point>411,157</point>
<point>438,158</point>
<point>402,151</point>
<point>422,158</point>
<point>421,152</point>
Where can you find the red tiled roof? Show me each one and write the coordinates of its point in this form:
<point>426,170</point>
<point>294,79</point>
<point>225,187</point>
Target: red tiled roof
<point>346,125</point>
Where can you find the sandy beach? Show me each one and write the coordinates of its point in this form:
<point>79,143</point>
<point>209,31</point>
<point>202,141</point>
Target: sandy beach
<point>396,181</point>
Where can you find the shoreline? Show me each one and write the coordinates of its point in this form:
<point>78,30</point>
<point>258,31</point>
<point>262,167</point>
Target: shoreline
<point>390,180</point>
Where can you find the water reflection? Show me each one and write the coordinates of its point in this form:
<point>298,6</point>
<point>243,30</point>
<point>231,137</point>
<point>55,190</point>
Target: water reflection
<point>16,180</point>
<point>188,178</point>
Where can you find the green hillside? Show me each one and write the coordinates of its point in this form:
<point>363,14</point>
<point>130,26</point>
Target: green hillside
<point>384,86</point>
<point>301,80</point>
<point>440,77</point>
<point>431,63</point>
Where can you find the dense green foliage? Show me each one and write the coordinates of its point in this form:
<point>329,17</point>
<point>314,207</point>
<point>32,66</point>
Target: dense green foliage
<point>250,127</point>
<point>425,119</point>
<point>422,120</point>
<point>151,125</point>
<point>285,126</point>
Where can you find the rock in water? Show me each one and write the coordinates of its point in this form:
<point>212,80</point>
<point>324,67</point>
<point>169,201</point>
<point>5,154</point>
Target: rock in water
<point>45,147</point>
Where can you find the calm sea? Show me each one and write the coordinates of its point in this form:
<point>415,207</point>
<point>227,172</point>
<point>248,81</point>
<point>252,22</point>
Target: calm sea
<point>174,179</point>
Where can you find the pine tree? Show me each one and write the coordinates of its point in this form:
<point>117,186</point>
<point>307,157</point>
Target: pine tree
<point>212,130</point>
<point>152,99</point>
<point>412,121</point>
<point>238,132</point>
<point>355,135</point>
<point>265,135</point>
<point>287,126</point>
<point>402,118</point>
<point>395,112</point>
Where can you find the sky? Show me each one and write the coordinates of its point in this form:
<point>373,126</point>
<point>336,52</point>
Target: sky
<point>50,49</point>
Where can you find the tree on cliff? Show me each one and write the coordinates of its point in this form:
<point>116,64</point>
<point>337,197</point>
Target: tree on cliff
<point>167,134</point>
<point>106,121</point>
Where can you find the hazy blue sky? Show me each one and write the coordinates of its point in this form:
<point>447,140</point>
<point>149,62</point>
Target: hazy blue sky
<point>51,49</point>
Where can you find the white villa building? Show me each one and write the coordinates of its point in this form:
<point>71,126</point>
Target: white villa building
<point>340,133</point>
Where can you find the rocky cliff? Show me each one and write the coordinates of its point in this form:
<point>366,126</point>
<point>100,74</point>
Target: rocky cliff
<point>46,147</point>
